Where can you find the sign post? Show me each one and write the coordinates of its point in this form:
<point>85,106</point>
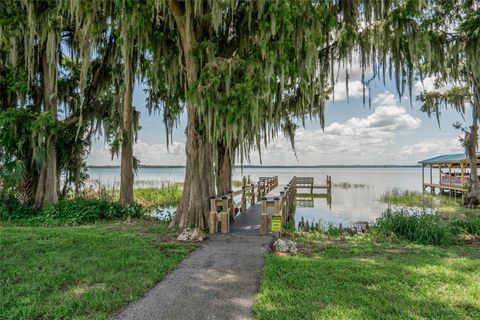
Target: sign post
<point>276,224</point>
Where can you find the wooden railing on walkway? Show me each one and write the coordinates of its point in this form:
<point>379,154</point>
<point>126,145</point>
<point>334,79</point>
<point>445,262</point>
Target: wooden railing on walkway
<point>223,208</point>
<point>282,204</point>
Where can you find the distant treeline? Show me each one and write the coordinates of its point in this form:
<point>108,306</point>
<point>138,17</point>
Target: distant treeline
<point>270,167</point>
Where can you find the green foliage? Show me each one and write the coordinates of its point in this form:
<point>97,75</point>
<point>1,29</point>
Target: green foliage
<point>416,226</point>
<point>409,198</point>
<point>466,225</point>
<point>153,198</point>
<point>74,211</point>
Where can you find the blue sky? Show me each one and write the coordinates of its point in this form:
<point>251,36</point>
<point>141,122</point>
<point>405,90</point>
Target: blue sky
<point>389,132</point>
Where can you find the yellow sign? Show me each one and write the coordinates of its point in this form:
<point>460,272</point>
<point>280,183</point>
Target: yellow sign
<point>276,223</point>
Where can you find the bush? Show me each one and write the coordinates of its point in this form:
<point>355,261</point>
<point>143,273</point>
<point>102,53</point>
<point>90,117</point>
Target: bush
<point>12,209</point>
<point>67,211</point>
<point>416,225</point>
<point>466,225</point>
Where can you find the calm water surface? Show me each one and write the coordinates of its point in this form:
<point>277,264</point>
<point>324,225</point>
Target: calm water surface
<point>349,204</point>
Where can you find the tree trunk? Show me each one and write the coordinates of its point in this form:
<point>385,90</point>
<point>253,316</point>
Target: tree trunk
<point>126,169</point>
<point>47,185</point>
<point>194,206</point>
<point>473,197</point>
<point>198,185</point>
<point>223,169</point>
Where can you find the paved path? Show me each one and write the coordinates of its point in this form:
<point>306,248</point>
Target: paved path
<point>219,280</point>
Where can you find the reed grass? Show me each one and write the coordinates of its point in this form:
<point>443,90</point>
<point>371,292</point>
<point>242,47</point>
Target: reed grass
<point>425,227</point>
<point>151,195</point>
<point>418,199</point>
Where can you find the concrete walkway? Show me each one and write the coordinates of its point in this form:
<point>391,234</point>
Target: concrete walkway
<point>219,280</point>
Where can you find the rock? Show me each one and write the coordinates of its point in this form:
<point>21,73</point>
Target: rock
<point>189,234</point>
<point>285,246</point>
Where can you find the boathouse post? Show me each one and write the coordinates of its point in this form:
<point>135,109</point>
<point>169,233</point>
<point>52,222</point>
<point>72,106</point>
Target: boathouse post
<point>432,188</point>
<point>282,206</point>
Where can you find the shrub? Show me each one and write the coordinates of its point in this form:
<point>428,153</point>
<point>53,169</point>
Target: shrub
<point>12,209</point>
<point>68,211</point>
<point>466,225</point>
<point>416,225</point>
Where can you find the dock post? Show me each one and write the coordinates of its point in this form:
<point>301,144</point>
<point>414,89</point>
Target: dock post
<point>243,208</point>
<point>282,207</point>
<point>276,203</point>
<point>225,216</point>
<point>231,207</point>
<point>252,195</point>
<point>259,192</point>
<point>213,219</point>
<point>264,218</point>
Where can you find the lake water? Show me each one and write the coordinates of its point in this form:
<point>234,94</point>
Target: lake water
<point>355,192</point>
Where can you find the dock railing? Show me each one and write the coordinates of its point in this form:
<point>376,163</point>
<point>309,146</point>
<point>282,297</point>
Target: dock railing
<point>283,206</point>
<point>309,183</point>
<point>223,208</point>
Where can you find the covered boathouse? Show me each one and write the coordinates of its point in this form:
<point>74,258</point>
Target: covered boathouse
<point>453,173</point>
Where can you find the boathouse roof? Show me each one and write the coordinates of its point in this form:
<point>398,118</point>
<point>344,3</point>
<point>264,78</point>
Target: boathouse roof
<point>447,158</point>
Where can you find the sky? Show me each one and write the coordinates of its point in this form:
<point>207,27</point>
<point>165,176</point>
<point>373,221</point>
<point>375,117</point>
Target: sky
<point>389,132</point>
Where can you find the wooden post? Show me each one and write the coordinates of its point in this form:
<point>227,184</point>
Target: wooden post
<point>212,219</point>
<point>264,218</point>
<point>252,195</point>
<point>276,202</point>
<point>440,174</point>
<point>224,216</point>
<point>462,177</point>
<point>432,189</point>
<point>423,177</point>
<point>450,175</point>
<point>259,191</point>
<point>243,208</point>
<point>231,206</point>
<point>248,180</point>
<point>282,207</point>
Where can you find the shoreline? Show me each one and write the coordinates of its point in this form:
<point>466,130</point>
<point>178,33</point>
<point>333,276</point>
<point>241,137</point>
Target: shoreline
<point>267,167</point>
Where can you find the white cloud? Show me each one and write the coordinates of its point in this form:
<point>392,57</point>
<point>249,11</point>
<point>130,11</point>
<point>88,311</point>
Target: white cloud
<point>359,140</point>
<point>430,148</point>
<point>356,141</point>
<point>355,90</point>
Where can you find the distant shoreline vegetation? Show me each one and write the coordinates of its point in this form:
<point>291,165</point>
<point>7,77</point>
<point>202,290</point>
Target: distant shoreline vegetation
<point>270,167</point>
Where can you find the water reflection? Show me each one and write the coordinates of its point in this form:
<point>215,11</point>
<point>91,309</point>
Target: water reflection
<point>348,206</point>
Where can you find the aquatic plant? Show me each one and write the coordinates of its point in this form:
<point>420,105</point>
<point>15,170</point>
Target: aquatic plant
<point>417,199</point>
<point>347,185</point>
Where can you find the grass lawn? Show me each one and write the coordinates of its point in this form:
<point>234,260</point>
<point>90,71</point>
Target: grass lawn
<point>360,279</point>
<point>85,272</point>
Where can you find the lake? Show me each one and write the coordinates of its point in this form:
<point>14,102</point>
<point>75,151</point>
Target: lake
<point>355,191</point>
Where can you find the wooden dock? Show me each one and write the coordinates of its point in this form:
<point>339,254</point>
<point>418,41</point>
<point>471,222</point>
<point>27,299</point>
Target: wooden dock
<point>258,203</point>
<point>309,183</point>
